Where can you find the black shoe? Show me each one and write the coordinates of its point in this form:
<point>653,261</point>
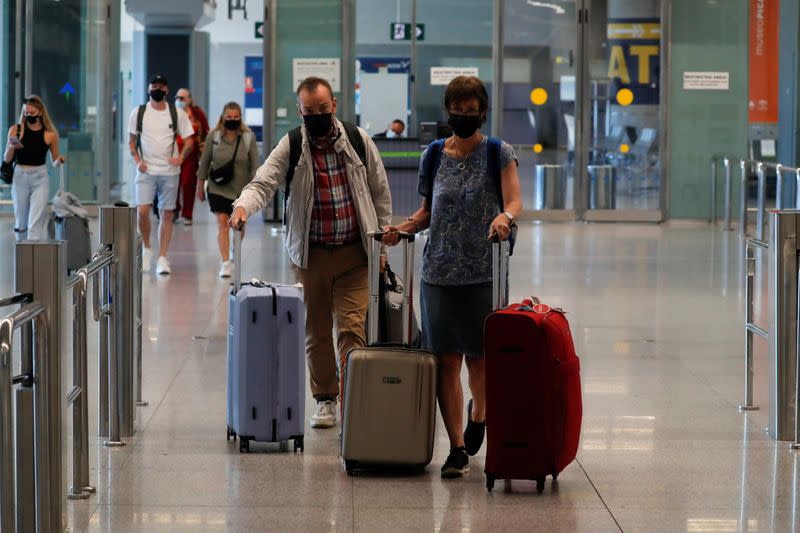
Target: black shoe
<point>473,435</point>
<point>457,463</point>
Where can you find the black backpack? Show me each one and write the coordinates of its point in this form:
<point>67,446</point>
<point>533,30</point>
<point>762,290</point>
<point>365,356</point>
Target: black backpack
<point>173,114</point>
<point>296,149</point>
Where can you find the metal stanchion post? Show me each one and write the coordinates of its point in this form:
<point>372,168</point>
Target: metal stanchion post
<point>139,323</point>
<point>7,496</point>
<point>713,215</point>
<point>25,443</point>
<point>41,270</point>
<point>749,327</point>
<point>99,296</point>
<point>49,444</point>
<point>80,489</point>
<point>796,444</point>
<point>726,225</point>
<point>114,345</point>
<point>797,189</point>
<point>783,261</point>
<point>778,186</point>
<point>761,171</point>
<point>118,229</point>
<point>743,199</point>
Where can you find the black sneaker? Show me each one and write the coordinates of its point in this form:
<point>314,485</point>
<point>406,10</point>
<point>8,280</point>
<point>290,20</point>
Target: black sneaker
<point>473,435</point>
<point>457,463</point>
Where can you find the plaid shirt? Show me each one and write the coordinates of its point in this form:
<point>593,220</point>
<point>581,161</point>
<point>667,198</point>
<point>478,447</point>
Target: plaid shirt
<point>333,218</point>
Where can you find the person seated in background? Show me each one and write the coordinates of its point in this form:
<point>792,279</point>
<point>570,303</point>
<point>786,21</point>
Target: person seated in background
<point>395,130</point>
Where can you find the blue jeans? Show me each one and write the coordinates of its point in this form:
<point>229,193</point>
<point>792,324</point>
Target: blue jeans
<point>29,192</point>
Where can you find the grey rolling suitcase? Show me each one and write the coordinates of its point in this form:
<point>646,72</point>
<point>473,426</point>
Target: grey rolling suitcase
<point>69,222</point>
<point>266,361</point>
<point>389,414</point>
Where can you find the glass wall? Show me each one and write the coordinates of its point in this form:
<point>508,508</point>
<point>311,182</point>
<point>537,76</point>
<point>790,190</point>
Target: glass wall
<point>66,50</point>
<point>623,127</point>
<point>540,73</point>
<point>398,80</point>
<point>582,104</point>
<point>303,39</point>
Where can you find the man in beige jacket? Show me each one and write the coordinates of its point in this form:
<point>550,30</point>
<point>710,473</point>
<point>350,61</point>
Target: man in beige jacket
<point>334,200</point>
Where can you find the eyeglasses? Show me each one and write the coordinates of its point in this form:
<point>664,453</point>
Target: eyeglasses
<point>181,98</point>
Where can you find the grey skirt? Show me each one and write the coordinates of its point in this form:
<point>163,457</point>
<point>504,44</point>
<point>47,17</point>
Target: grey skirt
<point>453,316</point>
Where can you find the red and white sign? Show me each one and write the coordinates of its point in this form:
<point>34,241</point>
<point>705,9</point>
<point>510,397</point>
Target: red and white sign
<point>541,309</point>
<point>764,46</point>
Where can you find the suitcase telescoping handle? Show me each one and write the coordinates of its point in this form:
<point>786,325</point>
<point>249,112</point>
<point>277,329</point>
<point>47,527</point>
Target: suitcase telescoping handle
<point>500,258</point>
<point>237,259</point>
<point>58,164</point>
<point>374,286</point>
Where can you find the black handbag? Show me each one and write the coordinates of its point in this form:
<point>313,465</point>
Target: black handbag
<point>7,172</point>
<point>7,168</point>
<point>224,174</point>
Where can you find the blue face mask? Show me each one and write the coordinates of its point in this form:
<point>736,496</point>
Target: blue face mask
<point>391,134</point>
<point>180,104</point>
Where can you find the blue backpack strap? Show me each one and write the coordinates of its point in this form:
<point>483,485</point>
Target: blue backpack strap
<point>496,172</point>
<point>493,167</point>
<point>430,166</point>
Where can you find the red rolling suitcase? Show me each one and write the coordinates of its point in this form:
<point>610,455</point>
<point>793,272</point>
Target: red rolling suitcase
<point>529,354</point>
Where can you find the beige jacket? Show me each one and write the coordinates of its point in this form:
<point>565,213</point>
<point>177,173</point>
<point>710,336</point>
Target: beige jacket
<point>370,191</point>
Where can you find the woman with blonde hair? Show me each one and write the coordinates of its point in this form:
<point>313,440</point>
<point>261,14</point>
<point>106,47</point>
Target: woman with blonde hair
<point>28,143</point>
<point>227,164</point>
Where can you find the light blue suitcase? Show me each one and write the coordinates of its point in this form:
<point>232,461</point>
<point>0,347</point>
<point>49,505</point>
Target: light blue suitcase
<point>266,362</point>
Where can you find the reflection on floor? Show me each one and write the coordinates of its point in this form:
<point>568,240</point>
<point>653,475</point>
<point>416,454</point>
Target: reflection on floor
<point>656,315</point>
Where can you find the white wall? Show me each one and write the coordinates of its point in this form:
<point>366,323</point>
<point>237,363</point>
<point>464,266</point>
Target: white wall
<point>231,41</point>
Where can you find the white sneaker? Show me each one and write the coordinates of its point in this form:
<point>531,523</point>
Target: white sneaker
<point>147,258</point>
<point>162,266</point>
<point>325,415</point>
<point>226,269</point>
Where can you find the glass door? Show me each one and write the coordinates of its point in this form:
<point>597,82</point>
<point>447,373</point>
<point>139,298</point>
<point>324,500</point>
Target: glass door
<point>541,103</point>
<point>623,133</point>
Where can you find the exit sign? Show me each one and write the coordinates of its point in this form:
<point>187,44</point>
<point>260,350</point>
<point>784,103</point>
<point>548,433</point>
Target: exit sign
<point>401,31</point>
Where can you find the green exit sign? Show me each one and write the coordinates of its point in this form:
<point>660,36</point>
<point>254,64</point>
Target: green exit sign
<point>401,31</point>
<point>259,30</point>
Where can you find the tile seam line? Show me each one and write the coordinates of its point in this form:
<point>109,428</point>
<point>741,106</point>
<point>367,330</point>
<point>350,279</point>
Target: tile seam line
<point>155,411</point>
<point>589,479</point>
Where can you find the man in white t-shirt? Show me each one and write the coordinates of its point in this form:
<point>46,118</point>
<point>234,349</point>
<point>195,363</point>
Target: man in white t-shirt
<point>154,147</point>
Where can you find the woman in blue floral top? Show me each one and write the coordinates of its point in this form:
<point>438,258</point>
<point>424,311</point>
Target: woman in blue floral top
<point>464,204</point>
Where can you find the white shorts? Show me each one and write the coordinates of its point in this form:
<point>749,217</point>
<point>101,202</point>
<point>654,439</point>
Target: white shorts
<point>166,187</point>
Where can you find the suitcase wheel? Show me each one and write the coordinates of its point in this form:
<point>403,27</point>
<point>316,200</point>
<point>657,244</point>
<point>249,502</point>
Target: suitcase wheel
<point>350,466</point>
<point>230,433</point>
<point>244,445</point>
<point>555,476</point>
<point>489,483</point>
<point>540,485</point>
<point>299,444</point>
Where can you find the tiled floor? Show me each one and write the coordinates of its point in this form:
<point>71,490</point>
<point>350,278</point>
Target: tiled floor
<point>656,313</point>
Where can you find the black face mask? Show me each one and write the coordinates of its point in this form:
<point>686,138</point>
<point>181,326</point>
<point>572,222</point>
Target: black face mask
<point>464,126</point>
<point>158,94</point>
<point>31,119</point>
<point>318,125</point>
<point>232,124</point>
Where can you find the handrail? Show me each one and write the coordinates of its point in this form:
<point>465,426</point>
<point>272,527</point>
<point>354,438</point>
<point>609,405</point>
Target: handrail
<point>760,168</point>
<point>30,313</point>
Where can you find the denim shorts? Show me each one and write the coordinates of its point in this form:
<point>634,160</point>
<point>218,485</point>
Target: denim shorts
<point>149,185</point>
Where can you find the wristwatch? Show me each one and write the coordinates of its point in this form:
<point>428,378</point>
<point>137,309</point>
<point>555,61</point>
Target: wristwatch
<point>509,216</point>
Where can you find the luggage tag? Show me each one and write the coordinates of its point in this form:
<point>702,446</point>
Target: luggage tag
<point>536,306</point>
